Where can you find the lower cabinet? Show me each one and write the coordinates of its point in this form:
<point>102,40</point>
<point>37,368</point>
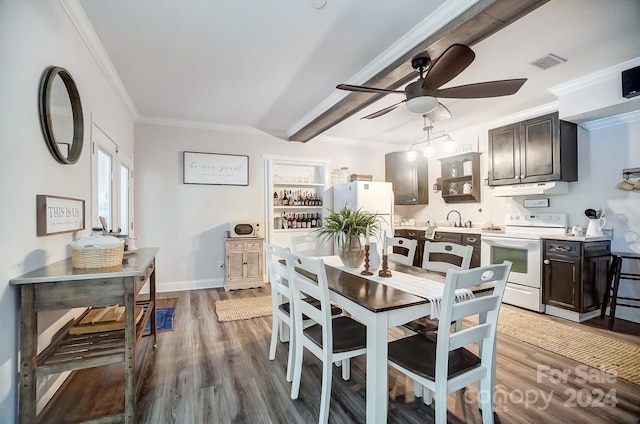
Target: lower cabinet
<point>575,273</point>
<point>244,263</point>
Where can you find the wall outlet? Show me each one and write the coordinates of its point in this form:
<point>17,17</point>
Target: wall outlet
<point>220,264</point>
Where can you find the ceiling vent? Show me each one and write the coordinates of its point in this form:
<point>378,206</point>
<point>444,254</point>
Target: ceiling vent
<point>548,61</point>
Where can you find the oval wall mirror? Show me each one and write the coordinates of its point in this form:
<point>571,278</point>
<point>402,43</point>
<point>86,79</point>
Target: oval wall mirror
<point>61,115</point>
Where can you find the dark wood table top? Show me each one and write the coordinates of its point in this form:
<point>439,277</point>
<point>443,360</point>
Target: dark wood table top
<point>374,296</point>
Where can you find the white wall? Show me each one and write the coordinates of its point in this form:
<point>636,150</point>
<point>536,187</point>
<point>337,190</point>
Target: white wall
<point>187,222</point>
<point>34,35</point>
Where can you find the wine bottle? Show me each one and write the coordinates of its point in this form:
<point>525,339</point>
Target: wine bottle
<point>285,199</point>
<point>275,198</point>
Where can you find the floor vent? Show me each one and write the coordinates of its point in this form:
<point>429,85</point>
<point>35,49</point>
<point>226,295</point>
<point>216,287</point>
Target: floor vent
<point>548,61</point>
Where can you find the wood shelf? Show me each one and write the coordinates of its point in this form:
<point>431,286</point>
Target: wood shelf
<point>454,165</point>
<point>298,184</point>
<point>96,393</point>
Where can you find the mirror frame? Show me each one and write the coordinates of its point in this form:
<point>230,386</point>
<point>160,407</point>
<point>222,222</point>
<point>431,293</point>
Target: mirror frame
<point>45,115</point>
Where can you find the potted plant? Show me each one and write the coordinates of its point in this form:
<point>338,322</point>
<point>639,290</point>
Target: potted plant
<point>345,227</point>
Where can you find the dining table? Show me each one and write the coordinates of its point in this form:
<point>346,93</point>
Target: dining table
<point>382,303</point>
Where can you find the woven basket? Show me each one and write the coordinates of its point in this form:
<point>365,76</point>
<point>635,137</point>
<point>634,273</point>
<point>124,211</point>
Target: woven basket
<point>95,257</point>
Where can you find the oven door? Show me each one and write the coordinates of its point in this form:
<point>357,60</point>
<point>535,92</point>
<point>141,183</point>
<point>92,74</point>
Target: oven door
<point>523,253</point>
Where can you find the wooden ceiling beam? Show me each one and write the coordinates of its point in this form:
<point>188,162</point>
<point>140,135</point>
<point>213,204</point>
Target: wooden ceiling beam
<point>480,21</point>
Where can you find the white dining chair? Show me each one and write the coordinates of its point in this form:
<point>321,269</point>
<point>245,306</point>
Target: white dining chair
<point>441,361</point>
<point>330,340</point>
<point>306,244</point>
<point>401,250</point>
<point>281,304</point>
<point>439,248</point>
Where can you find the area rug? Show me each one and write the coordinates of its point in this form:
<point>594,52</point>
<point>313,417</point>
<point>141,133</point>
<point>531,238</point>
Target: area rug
<point>244,308</point>
<point>165,312</point>
<point>591,349</point>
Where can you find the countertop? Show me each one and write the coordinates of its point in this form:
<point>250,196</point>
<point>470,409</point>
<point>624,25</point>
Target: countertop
<point>472,230</point>
<point>571,237</point>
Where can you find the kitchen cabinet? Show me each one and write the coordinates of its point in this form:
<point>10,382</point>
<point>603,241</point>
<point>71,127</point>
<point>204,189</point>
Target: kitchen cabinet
<point>418,235</point>
<point>575,273</point>
<point>536,150</point>
<point>458,238</point>
<point>244,263</point>
<point>410,179</point>
<point>461,178</point>
<point>303,184</point>
<point>107,368</point>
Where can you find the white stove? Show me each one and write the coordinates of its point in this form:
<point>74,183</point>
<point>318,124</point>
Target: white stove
<point>521,243</point>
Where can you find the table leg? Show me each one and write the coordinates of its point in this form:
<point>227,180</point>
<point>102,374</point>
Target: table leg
<point>28,355</point>
<point>377,369</point>
<point>129,351</point>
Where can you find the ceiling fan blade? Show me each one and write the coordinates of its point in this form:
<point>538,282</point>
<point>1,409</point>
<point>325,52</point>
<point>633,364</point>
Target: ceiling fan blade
<point>450,63</point>
<point>481,89</point>
<point>440,113</point>
<point>383,111</point>
<point>362,89</point>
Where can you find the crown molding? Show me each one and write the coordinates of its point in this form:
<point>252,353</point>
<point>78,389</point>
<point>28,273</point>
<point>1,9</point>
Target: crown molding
<point>201,125</point>
<point>427,27</point>
<point>594,78</point>
<point>88,34</point>
<point>610,121</point>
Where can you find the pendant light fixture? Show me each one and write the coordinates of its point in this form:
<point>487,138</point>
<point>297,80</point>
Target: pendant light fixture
<point>427,138</point>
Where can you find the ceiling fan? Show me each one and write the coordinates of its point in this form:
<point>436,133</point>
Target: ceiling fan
<point>421,95</point>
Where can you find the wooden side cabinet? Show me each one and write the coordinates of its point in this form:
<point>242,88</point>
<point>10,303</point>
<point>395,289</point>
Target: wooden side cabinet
<point>244,263</point>
<point>458,238</point>
<point>575,273</point>
<point>536,150</point>
<point>410,179</point>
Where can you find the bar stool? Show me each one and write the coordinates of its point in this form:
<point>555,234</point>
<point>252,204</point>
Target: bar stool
<point>613,284</point>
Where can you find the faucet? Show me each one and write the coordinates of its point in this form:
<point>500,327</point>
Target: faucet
<point>459,224</point>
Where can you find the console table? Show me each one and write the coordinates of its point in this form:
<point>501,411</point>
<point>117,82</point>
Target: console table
<point>108,366</point>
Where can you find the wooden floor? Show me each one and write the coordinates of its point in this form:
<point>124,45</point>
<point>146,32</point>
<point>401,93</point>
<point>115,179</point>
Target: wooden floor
<point>210,372</point>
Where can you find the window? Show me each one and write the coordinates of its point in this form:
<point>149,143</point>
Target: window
<point>112,178</point>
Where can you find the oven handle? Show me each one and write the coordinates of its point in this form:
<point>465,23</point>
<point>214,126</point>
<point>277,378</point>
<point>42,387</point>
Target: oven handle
<point>499,241</point>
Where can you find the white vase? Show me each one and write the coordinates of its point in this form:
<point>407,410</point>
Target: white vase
<point>374,257</point>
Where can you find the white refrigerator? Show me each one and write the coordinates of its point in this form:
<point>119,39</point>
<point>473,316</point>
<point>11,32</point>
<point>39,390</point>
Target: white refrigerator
<point>372,196</point>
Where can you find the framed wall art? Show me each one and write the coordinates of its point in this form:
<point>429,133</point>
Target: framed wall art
<point>55,214</point>
<point>215,169</point>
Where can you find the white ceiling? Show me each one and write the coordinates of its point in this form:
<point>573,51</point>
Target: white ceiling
<point>269,65</point>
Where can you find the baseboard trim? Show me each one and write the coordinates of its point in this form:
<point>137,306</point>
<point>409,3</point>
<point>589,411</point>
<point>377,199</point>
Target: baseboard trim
<point>173,286</point>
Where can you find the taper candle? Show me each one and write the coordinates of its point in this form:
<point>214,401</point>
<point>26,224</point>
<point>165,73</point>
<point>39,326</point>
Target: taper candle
<point>367,236</point>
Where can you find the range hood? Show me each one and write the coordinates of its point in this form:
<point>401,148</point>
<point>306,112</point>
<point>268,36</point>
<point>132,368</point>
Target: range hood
<point>549,188</point>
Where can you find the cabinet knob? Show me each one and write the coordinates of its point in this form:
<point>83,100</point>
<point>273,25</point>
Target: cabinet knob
<point>546,262</point>
<point>522,176</point>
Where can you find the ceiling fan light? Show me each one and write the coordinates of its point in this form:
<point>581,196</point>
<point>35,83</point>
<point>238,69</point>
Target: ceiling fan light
<point>422,104</point>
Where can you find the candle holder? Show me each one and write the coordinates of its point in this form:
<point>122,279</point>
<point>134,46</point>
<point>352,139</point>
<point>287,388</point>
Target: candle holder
<point>366,261</point>
<point>384,271</point>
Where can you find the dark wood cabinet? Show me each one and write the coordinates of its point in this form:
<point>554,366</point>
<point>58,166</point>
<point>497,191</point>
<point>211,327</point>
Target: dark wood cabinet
<point>575,273</point>
<point>473,240</point>
<point>410,179</point>
<point>461,178</point>
<point>536,150</point>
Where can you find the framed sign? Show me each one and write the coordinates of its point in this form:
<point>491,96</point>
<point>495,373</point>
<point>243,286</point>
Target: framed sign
<point>214,168</point>
<point>55,215</point>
